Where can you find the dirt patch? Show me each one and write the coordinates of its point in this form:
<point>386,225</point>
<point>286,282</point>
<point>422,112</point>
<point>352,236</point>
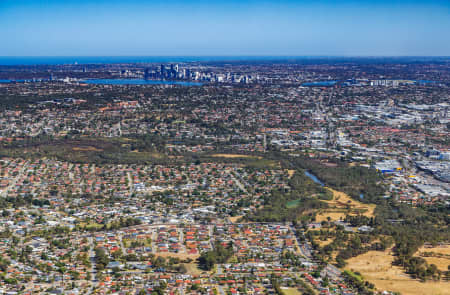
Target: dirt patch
<point>376,267</point>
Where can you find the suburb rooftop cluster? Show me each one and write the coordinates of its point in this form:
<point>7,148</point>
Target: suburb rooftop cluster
<point>261,176</point>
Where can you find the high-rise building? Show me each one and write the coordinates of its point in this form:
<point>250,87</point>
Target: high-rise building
<point>147,74</point>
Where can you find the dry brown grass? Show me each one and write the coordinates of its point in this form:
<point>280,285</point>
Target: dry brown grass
<point>341,205</point>
<point>324,243</point>
<point>193,269</point>
<point>442,263</point>
<point>376,267</point>
<point>234,156</point>
<point>86,149</point>
<point>290,173</point>
<point>334,216</point>
<point>291,291</point>
<point>441,258</point>
<point>444,249</point>
<point>178,255</point>
<point>343,201</point>
<point>234,219</point>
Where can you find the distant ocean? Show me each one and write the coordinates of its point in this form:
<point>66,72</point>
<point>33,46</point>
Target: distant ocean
<point>71,60</point>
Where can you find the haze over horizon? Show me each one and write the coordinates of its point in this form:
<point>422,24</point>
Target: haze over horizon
<point>217,28</point>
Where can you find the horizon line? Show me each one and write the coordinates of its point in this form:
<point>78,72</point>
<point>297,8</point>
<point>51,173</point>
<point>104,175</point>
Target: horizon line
<point>218,55</point>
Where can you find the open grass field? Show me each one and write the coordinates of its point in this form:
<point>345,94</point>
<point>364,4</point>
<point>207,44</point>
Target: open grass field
<point>145,242</point>
<point>87,149</point>
<point>341,205</point>
<point>91,225</point>
<point>376,267</point>
<point>292,204</point>
<point>324,243</point>
<point>440,256</point>
<point>443,250</point>
<point>234,219</point>
<point>442,263</point>
<point>251,161</point>
<point>334,215</point>
<point>343,201</point>
<point>291,291</point>
<point>233,156</point>
<point>193,269</point>
<point>178,255</point>
<point>291,172</point>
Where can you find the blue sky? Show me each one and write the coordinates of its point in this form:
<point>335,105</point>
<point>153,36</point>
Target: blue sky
<point>294,28</point>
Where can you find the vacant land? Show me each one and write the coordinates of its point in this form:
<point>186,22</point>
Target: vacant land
<point>324,242</point>
<point>234,156</point>
<point>291,291</point>
<point>341,205</point>
<point>292,204</point>
<point>178,255</point>
<point>87,149</point>
<point>343,201</point>
<point>439,250</point>
<point>439,255</point>
<point>235,219</point>
<point>291,172</point>
<point>192,269</point>
<point>334,215</point>
<point>376,267</point>
<point>250,161</point>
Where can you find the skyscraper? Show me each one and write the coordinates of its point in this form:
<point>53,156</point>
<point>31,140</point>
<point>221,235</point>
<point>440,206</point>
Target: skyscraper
<point>147,74</point>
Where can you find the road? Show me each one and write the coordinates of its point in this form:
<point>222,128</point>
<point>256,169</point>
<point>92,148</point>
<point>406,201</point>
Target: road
<point>219,269</point>
<point>330,270</point>
<point>303,246</point>
<point>93,269</point>
<point>238,183</point>
<point>130,182</point>
<point>221,290</point>
<point>122,248</point>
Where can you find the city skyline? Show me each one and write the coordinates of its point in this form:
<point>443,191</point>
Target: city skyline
<point>234,28</point>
